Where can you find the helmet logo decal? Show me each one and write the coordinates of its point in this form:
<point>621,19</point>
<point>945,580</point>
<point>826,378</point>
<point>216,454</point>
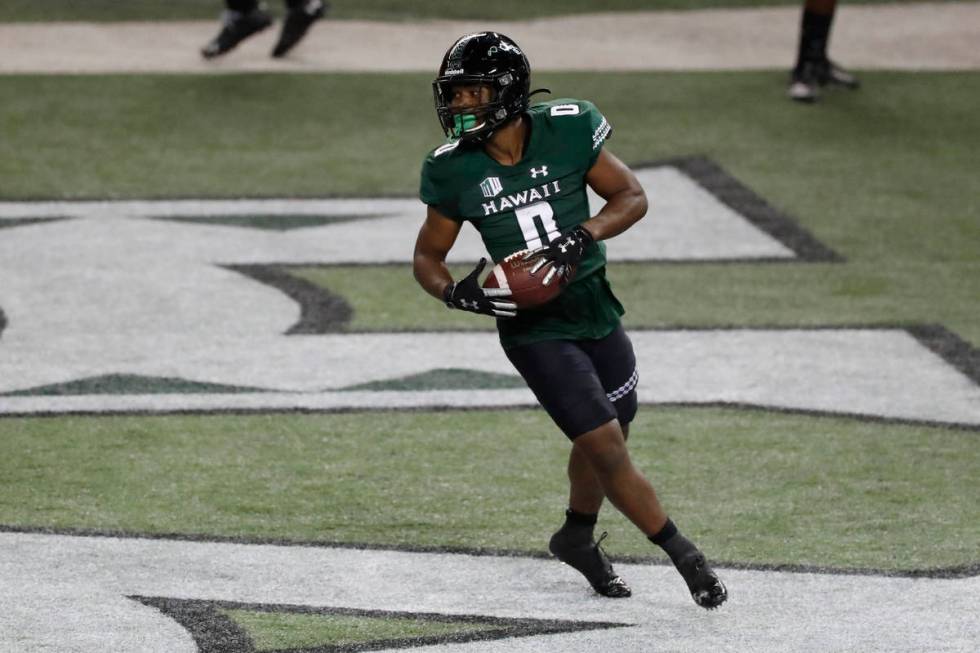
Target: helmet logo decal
<point>491,186</point>
<point>457,50</point>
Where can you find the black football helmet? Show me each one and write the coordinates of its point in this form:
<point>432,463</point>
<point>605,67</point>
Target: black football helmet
<point>482,58</point>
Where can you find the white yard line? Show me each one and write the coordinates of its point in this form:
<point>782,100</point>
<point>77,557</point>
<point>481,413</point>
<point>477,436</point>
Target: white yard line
<point>926,36</point>
<point>69,594</point>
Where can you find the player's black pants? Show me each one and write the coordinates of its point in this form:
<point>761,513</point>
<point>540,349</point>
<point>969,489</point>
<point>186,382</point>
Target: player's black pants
<point>581,383</point>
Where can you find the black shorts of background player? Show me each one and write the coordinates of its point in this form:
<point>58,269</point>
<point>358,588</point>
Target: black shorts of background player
<point>520,174</point>
<point>243,18</point>
<point>813,68</point>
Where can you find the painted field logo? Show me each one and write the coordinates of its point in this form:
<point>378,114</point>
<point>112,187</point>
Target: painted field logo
<point>491,186</point>
<point>198,311</point>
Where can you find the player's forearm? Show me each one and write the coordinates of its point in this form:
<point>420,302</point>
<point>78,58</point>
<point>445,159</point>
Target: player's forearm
<point>432,274</point>
<point>622,211</point>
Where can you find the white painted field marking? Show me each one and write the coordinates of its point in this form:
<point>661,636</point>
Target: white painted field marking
<point>873,372</point>
<point>68,594</point>
<point>685,222</point>
<point>111,292</point>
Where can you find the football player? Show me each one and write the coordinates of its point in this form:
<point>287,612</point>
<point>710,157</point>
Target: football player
<point>519,174</point>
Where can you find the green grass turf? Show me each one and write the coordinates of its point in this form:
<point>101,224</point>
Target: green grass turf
<point>231,135</point>
<point>272,631</point>
<point>885,176</point>
<point>116,10</point>
<point>749,486</point>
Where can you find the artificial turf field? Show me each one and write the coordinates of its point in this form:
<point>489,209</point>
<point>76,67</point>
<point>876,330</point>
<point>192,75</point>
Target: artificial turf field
<point>886,177</point>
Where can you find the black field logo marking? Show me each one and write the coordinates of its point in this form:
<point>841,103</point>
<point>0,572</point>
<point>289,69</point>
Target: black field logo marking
<point>274,222</point>
<point>10,223</point>
<point>128,384</point>
<point>215,631</point>
<point>742,199</point>
<point>321,311</point>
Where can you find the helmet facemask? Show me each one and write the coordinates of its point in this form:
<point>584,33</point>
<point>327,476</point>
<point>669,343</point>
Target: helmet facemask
<point>475,124</point>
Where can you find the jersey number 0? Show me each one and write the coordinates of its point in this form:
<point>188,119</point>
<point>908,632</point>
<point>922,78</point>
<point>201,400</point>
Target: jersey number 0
<point>529,217</point>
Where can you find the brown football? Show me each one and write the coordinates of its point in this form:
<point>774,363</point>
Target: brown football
<point>526,291</point>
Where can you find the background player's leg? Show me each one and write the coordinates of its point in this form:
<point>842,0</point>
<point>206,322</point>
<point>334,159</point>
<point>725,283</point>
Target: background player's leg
<point>241,19</point>
<point>813,67</point>
<point>300,15</point>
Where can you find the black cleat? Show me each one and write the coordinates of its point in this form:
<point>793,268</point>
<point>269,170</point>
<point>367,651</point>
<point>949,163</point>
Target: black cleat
<point>591,561</point>
<point>806,81</point>
<point>297,23</point>
<point>236,28</point>
<point>830,74</point>
<point>706,588</point>
<point>804,85</point>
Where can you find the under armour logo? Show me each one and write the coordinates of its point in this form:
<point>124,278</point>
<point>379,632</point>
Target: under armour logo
<point>543,171</point>
<point>466,304</point>
<point>563,247</point>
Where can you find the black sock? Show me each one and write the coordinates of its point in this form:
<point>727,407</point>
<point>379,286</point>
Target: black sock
<point>242,6</point>
<point>814,34</point>
<point>578,526</point>
<point>675,545</point>
<point>297,4</point>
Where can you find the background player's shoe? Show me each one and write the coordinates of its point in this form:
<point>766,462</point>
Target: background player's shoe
<point>829,73</point>
<point>591,561</point>
<point>805,81</point>
<point>706,588</point>
<point>297,23</point>
<point>236,28</point>
<point>804,86</point>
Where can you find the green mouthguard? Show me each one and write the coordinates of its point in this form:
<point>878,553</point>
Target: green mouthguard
<point>462,122</point>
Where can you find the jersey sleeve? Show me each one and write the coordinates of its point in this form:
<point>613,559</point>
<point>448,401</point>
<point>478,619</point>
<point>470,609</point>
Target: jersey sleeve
<point>597,128</point>
<point>434,187</point>
<point>580,125</point>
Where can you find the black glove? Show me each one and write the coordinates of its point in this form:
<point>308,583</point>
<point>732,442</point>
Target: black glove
<point>469,296</point>
<point>562,254</point>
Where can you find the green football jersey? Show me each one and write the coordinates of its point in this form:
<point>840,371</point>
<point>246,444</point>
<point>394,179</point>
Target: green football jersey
<point>529,204</point>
